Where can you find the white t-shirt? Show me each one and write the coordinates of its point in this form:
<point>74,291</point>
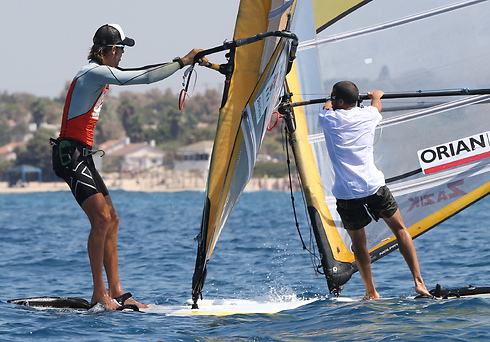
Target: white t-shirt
<point>349,135</point>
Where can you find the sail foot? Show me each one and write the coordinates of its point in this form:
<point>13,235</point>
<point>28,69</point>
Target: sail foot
<point>197,284</point>
<point>336,272</point>
<point>200,272</point>
<point>338,275</point>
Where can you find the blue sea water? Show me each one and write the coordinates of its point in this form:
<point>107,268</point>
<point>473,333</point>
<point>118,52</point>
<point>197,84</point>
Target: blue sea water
<point>43,252</point>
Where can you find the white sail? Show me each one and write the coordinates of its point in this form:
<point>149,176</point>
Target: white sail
<point>395,46</point>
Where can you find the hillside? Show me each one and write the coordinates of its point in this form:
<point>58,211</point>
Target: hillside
<point>153,115</point>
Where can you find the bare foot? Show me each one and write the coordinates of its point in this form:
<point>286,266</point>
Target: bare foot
<point>108,302</point>
<point>422,290</point>
<point>374,295</point>
<point>132,301</point>
<point>138,304</point>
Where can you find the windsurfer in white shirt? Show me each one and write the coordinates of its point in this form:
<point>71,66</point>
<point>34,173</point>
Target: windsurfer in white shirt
<point>359,186</point>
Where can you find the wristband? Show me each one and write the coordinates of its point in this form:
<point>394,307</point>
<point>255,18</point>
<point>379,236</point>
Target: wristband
<point>177,59</point>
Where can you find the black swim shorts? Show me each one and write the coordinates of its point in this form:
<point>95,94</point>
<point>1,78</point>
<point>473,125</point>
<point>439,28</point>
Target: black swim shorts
<point>72,162</point>
<point>358,213</point>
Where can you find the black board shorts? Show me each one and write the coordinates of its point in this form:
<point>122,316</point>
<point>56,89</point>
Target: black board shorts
<point>77,169</point>
<point>358,213</point>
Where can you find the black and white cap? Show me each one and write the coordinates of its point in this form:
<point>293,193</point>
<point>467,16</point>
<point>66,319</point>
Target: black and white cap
<point>112,35</point>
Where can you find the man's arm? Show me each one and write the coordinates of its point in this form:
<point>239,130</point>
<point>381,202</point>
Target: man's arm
<point>189,58</point>
<point>328,104</point>
<point>375,97</point>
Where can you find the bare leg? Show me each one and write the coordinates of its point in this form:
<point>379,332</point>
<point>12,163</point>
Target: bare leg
<point>99,216</point>
<point>363,260</point>
<point>111,261</point>
<point>407,250</point>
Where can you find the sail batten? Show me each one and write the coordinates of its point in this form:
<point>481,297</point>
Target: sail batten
<point>281,9</point>
<point>385,26</point>
<point>434,110</point>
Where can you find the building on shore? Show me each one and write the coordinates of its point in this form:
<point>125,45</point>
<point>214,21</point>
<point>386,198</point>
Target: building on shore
<point>123,156</point>
<point>194,157</point>
<point>7,152</point>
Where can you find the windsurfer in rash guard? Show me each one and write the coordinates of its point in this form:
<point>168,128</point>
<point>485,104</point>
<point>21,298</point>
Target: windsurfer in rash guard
<point>72,151</point>
<point>359,186</point>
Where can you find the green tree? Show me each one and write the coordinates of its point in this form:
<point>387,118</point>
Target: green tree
<point>4,131</point>
<point>153,115</point>
<point>37,152</point>
<point>131,121</point>
<point>39,110</point>
<point>109,126</point>
<point>126,109</point>
<point>4,166</point>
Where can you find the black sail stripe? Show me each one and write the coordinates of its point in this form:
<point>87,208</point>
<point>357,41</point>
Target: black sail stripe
<point>405,175</point>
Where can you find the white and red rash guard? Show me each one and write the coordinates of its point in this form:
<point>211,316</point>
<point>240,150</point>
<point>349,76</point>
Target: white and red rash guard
<point>88,91</point>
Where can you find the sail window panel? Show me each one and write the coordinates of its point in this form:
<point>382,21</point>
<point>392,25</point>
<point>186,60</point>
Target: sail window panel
<point>396,159</point>
<point>376,12</point>
<point>414,61</point>
<point>376,234</point>
<point>435,200</point>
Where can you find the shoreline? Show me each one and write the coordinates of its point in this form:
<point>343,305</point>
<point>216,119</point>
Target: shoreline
<point>168,181</point>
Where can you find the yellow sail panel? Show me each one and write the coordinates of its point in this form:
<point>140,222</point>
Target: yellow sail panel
<point>450,210</point>
<point>329,11</point>
<point>252,18</point>
<point>430,221</point>
<point>220,203</point>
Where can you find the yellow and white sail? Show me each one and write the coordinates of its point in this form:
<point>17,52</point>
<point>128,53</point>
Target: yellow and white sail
<point>394,46</point>
<point>252,90</point>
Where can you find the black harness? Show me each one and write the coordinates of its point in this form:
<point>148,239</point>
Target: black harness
<point>71,150</point>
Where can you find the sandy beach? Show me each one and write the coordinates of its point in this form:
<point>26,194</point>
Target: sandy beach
<point>157,180</point>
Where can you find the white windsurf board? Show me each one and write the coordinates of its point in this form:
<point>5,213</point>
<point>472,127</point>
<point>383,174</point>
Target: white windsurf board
<point>224,307</point>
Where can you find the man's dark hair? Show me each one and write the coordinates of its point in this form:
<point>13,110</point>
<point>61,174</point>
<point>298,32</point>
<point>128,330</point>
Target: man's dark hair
<point>346,91</point>
<point>97,52</point>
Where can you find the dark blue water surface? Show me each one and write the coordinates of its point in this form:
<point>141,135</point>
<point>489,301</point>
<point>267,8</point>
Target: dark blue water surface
<point>43,252</point>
